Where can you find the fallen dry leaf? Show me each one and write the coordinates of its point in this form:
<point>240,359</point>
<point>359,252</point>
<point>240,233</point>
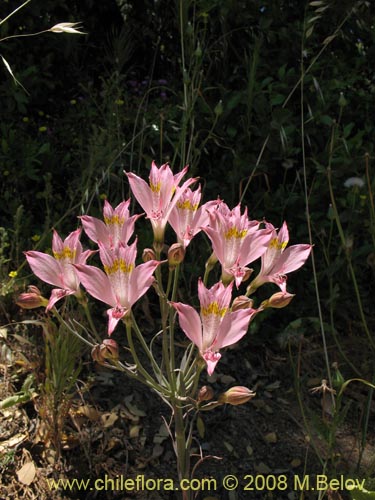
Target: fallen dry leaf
<point>26,474</point>
<point>108,419</point>
<point>271,437</point>
<point>134,430</point>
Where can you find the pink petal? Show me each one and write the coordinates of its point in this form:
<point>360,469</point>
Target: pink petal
<point>190,322</point>
<point>72,241</point>
<point>254,246</point>
<point>56,295</point>
<point>141,280</point>
<point>85,255</point>
<point>217,241</point>
<point>283,236</point>
<point>57,243</point>
<point>233,327</point>
<point>45,267</point>
<point>141,191</point>
<point>211,359</point>
<point>95,229</point>
<point>96,283</point>
<point>291,259</point>
<point>114,316</point>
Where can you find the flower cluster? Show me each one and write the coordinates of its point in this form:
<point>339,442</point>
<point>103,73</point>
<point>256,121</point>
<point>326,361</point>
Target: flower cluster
<point>236,241</point>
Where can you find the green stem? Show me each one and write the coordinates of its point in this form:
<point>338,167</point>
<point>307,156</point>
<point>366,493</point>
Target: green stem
<point>172,321</point>
<point>86,308</point>
<point>145,376</point>
<point>182,449</point>
<point>146,349</point>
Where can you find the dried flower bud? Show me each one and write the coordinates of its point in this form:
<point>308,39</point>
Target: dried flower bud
<point>176,254</point>
<point>242,302</point>
<point>72,28</point>
<point>107,350</point>
<point>237,395</point>
<point>31,299</point>
<point>148,254</point>
<point>206,393</point>
<point>277,300</point>
<point>247,273</point>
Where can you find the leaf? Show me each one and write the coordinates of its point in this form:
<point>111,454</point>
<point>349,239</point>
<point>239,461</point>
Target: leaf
<point>309,31</point>
<point>271,438</point>
<point>134,430</point>
<point>108,419</point>
<point>201,427</point>
<point>228,446</point>
<point>249,450</point>
<point>262,468</point>
<point>26,474</point>
<point>329,39</point>
<point>296,462</point>
<point>6,64</point>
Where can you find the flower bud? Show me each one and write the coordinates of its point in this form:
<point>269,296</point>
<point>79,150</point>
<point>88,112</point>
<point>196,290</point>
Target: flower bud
<point>211,261</point>
<point>31,299</point>
<point>242,302</point>
<point>176,255</point>
<point>206,393</point>
<point>107,350</point>
<point>237,395</point>
<point>148,254</point>
<point>277,300</point>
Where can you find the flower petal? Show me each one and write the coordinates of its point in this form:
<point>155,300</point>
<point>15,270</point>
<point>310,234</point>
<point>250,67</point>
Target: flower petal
<point>96,283</point>
<point>56,295</point>
<point>45,267</point>
<point>190,322</point>
<point>233,327</point>
<point>141,191</point>
<point>95,228</point>
<point>141,280</point>
<point>291,259</point>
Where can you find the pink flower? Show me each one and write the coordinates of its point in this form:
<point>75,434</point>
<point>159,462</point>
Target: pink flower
<point>159,196</point>
<point>216,327</point>
<point>122,284</point>
<point>187,218</point>
<point>117,227</point>
<point>278,260</point>
<point>58,270</point>
<point>236,241</point>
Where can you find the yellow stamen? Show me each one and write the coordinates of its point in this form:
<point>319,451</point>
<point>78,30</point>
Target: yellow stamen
<point>119,265</point>
<point>233,232</point>
<point>115,219</point>
<point>187,205</point>
<point>155,188</point>
<point>277,245</point>
<point>67,253</point>
<point>213,308</point>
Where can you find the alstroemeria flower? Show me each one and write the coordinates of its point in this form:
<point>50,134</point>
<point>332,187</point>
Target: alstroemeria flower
<point>187,218</point>
<point>159,196</point>
<point>58,270</point>
<point>117,227</point>
<point>236,241</point>
<point>278,260</point>
<point>216,327</point>
<point>122,284</point>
